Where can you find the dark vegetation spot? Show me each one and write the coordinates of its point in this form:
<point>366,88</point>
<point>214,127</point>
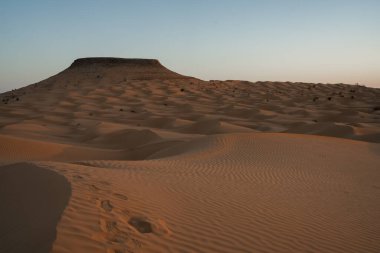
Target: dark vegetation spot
<point>315,120</point>
<point>132,111</point>
<point>165,104</point>
<point>121,109</point>
<point>329,98</point>
<point>90,114</point>
<point>17,99</point>
<point>182,90</point>
<point>376,108</point>
<point>352,97</point>
<point>98,76</point>
<point>315,99</point>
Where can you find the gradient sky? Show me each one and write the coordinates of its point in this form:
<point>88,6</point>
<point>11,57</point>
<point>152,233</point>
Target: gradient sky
<point>286,40</point>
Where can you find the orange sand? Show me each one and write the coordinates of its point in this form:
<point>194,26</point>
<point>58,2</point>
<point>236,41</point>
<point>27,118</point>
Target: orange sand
<point>160,162</point>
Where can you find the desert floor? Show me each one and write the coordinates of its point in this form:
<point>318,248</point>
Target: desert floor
<point>93,161</point>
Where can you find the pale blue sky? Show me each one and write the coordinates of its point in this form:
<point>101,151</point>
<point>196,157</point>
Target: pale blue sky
<point>286,40</point>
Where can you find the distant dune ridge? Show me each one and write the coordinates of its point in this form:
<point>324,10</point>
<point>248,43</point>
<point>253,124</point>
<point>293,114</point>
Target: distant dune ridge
<point>154,161</point>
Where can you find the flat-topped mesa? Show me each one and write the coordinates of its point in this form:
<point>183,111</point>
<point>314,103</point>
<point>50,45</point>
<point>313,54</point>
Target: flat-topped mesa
<point>110,61</point>
<point>107,71</point>
<point>130,69</point>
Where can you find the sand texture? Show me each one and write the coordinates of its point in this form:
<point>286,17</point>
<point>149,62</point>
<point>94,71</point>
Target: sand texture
<point>123,155</point>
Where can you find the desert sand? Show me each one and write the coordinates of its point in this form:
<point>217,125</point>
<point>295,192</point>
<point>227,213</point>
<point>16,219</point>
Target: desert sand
<point>124,155</point>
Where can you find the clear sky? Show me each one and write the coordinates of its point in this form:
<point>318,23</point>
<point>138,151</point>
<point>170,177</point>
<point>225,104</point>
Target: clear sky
<point>286,40</point>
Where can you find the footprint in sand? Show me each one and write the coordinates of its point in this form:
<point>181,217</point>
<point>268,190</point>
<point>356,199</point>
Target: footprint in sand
<point>137,243</point>
<point>106,205</point>
<point>117,237</point>
<point>108,225</point>
<point>141,225</point>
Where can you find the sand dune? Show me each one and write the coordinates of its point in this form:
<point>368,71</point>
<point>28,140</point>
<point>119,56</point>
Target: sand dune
<point>230,193</point>
<point>159,162</point>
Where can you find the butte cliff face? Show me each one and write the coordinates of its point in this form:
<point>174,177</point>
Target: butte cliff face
<point>129,69</point>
